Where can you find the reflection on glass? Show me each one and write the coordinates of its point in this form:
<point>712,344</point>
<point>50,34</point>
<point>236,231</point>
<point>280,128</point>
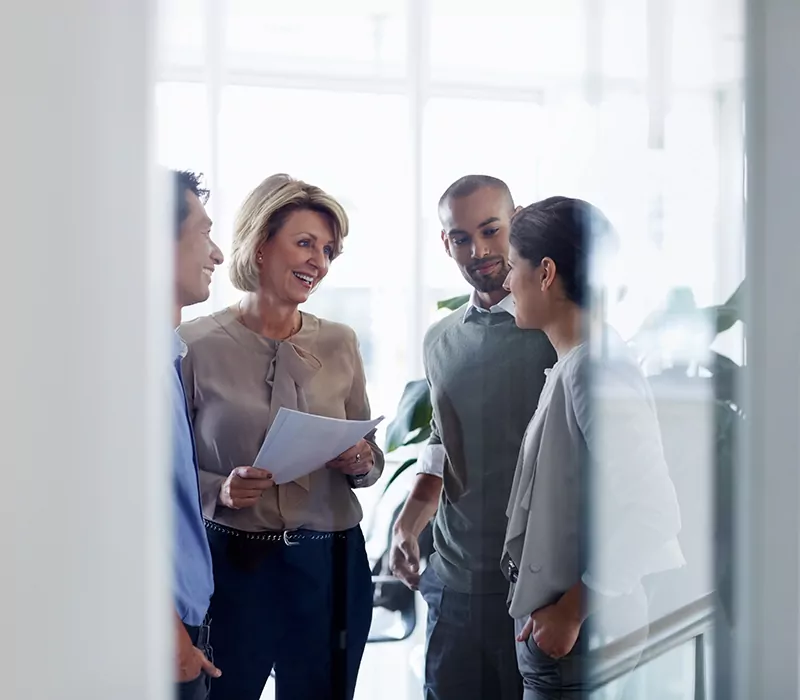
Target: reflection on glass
<point>639,110</point>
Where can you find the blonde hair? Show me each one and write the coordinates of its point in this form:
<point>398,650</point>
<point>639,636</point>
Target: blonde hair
<point>262,214</point>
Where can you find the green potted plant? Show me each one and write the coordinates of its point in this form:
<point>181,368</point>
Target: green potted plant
<point>412,422</point>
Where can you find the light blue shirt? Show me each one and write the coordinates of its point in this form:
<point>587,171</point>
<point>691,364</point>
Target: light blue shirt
<point>194,580</point>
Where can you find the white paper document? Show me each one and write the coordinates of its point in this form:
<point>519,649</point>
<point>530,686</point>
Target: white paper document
<point>300,443</point>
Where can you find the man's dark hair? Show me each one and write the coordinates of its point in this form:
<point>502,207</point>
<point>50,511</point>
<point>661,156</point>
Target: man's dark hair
<point>184,181</point>
<point>569,231</point>
<point>469,184</point>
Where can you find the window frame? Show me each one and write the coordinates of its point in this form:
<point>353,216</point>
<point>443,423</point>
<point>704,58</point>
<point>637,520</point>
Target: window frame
<point>417,86</point>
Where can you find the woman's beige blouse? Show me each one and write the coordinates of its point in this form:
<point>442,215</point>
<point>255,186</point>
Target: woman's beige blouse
<point>236,380</point>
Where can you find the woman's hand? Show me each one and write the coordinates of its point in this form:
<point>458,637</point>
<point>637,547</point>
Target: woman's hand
<point>555,630</point>
<point>356,461</point>
<point>244,487</point>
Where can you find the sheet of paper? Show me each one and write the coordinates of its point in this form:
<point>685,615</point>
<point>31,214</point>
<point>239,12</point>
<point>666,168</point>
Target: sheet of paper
<point>300,443</point>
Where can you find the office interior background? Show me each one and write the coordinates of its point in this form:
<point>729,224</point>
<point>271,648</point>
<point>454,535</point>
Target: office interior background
<point>676,117</point>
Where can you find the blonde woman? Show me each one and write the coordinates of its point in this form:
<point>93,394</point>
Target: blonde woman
<point>292,581</point>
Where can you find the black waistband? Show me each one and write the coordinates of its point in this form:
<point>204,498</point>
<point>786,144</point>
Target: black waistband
<point>287,537</point>
<point>199,635</point>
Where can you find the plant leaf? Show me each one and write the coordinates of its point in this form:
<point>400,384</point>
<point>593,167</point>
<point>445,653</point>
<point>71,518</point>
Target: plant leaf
<point>737,298</point>
<point>453,303</point>
<point>413,415</point>
<point>421,435</point>
<point>399,471</point>
<point>727,378</point>
<point>724,316</point>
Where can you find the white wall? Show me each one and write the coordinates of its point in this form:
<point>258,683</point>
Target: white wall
<point>84,584</point>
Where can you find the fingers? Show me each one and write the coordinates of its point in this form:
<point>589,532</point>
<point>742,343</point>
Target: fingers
<point>244,487</point>
<point>252,473</point>
<point>411,580</point>
<point>348,455</point>
<point>544,638</point>
<point>361,447</point>
<point>547,646</point>
<point>239,503</point>
<point>246,493</point>
<point>404,562</point>
<point>250,486</point>
<point>208,667</point>
<point>410,556</point>
<point>526,631</point>
<point>247,481</point>
<point>356,461</point>
<point>408,576</point>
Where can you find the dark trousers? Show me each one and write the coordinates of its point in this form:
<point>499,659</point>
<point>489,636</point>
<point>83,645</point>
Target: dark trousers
<point>546,678</point>
<point>469,653</point>
<point>570,677</point>
<point>273,608</point>
<point>198,688</point>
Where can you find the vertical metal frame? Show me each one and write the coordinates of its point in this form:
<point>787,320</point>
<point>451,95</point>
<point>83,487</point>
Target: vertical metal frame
<point>767,633</point>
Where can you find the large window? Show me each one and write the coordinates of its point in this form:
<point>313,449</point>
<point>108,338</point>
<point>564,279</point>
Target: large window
<point>633,105</point>
<point>586,99</point>
<point>519,44</point>
<point>354,38</point>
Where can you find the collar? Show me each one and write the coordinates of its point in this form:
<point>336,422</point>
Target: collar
<point>506,305</point>
<point>179,348</point>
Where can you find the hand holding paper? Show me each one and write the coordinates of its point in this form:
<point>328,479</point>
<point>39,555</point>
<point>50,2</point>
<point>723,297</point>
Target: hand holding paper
<point>244,487</point>
<point>300,443</point>
<point>356,461</point>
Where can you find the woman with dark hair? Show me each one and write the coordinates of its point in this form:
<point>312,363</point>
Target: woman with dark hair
<point>594,441</point>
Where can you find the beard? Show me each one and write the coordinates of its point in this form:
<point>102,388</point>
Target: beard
<point>487,283</point>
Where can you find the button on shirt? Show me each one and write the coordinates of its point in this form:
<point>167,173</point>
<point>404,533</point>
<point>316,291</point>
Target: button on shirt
<point>194,582</point>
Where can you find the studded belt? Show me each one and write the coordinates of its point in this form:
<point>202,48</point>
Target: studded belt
<point>289,537</point>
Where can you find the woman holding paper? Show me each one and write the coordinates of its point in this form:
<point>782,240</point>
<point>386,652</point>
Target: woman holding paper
<point>291,571</point>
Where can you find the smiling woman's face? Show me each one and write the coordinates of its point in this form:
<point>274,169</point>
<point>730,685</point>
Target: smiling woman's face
<point>297,257</point>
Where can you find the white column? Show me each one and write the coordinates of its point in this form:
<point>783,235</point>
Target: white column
<point>768,477</point>
<point>216,17</point>
<point>418,67</point>
<point>84,286</point>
